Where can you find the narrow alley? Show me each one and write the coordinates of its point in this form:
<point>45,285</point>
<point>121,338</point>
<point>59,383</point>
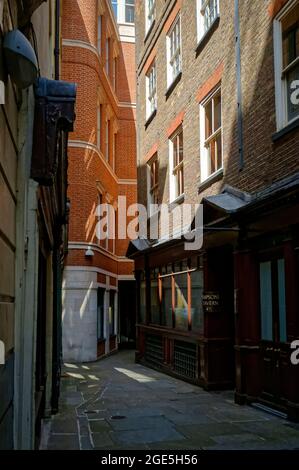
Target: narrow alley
<point>115,404</point>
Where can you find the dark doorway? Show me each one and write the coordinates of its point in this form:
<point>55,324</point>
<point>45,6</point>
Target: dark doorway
<point>127,314</point>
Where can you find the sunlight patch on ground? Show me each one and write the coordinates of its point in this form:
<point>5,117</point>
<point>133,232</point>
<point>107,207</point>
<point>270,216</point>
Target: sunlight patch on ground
<point>75,376</point>
<point>135,376</point>
<point>93,377</point>
<point>71,366</point>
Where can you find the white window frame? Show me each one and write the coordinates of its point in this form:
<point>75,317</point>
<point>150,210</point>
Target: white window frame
<point>150,14</point>
<point>281,102</point>
<point>151,90</point>
<point>152,207</point>
<point>113,2</point>
<point>204,156</point>
<point>173,196</point>
<point>200,6</point>
<point>178,51</point>
<point>125,12</point>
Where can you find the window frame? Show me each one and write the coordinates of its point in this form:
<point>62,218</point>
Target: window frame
<point>150,14</point>
<point>178,51</point>
<point>151,95</point>
<point>281,94</point>
<point>153,206</point>
<point>176,170</point>
<point>129,5</point>
<point>113,4</point>
<point>204,163</point>
<point>201,31</point>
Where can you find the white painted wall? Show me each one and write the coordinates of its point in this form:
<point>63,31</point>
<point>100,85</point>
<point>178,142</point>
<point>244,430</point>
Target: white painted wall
<point>79,316</point>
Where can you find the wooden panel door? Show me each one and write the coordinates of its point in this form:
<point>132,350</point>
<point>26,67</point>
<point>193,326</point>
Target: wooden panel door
<point>273,327</point>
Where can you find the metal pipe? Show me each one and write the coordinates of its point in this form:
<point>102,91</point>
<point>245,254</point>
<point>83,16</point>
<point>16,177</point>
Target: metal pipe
<point>239,85</point>
<point>57,40</point>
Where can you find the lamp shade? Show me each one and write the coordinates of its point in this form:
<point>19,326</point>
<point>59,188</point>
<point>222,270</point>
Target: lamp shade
<point>20,58</point>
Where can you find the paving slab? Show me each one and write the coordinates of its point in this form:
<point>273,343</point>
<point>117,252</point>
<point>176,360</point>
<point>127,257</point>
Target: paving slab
<point>115,404</point>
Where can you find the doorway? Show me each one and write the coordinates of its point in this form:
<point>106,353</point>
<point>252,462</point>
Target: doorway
<point>273,327</point>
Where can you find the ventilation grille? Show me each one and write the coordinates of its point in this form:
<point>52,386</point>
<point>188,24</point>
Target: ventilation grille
<point>154,349</point>
<point>185,359</point>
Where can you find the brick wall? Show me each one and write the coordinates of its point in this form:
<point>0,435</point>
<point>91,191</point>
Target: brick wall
<point>84,64</point>
<point>265,161</point>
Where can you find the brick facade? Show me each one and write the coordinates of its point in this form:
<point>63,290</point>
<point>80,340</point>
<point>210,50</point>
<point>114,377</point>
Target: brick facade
<point>260,164</point>
<point>265,161</point>
<point>92,173</point>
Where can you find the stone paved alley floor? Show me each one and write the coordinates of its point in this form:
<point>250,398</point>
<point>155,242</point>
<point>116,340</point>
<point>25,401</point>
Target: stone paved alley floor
<point>116,404</point>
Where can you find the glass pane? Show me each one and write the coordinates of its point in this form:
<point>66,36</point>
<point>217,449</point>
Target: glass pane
<point>293,95</point>
<point>167,302</point>
<point>208,117</point>
<point>175,152</point>
<point>155,308</point>
<point>213,159</point>
<point>114,6</point>
<point>142,302</point>
<point>101,296</point>
<point>219,151</point>
<point>217,112</point>
<point>290,36</point>
<point>181,302</point>
<point>282,301</point>
<point>197,316</point>
<point>130,11</point>
<point>266,301</point>
<point>181,147</point>
<point>111,314</point>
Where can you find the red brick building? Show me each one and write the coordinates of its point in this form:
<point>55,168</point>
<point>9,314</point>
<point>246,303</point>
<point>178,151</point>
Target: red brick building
<point>218,125</point>
<point>98,53</point>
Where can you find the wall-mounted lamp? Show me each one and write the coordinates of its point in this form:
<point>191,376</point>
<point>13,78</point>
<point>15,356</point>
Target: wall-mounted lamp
<point>89,253</point>
<point>20,58</point>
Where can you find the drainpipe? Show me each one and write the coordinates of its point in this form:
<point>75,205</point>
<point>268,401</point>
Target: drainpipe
<point>239,86</point>
<point>57,39</point>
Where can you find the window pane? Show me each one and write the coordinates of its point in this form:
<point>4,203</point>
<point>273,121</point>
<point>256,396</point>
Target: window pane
<point>282,301</point>
<point>181,147</point>
<point>167,302</point>
<point>218,151</point>
<point>208,118</point>
<point>111,314</point>
<point>114,6</point>
<point>266,301</point>
<point>100,323</point>
<point>181,302</point>
<point>290,36</point>
<point>197,316</point>
<point>217,112</point>
<point>130,11</point>
<point>142,302</point>
<point>293,108</point>
<point>155,308</point>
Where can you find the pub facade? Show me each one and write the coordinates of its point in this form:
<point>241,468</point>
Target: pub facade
<point>218,127</point>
